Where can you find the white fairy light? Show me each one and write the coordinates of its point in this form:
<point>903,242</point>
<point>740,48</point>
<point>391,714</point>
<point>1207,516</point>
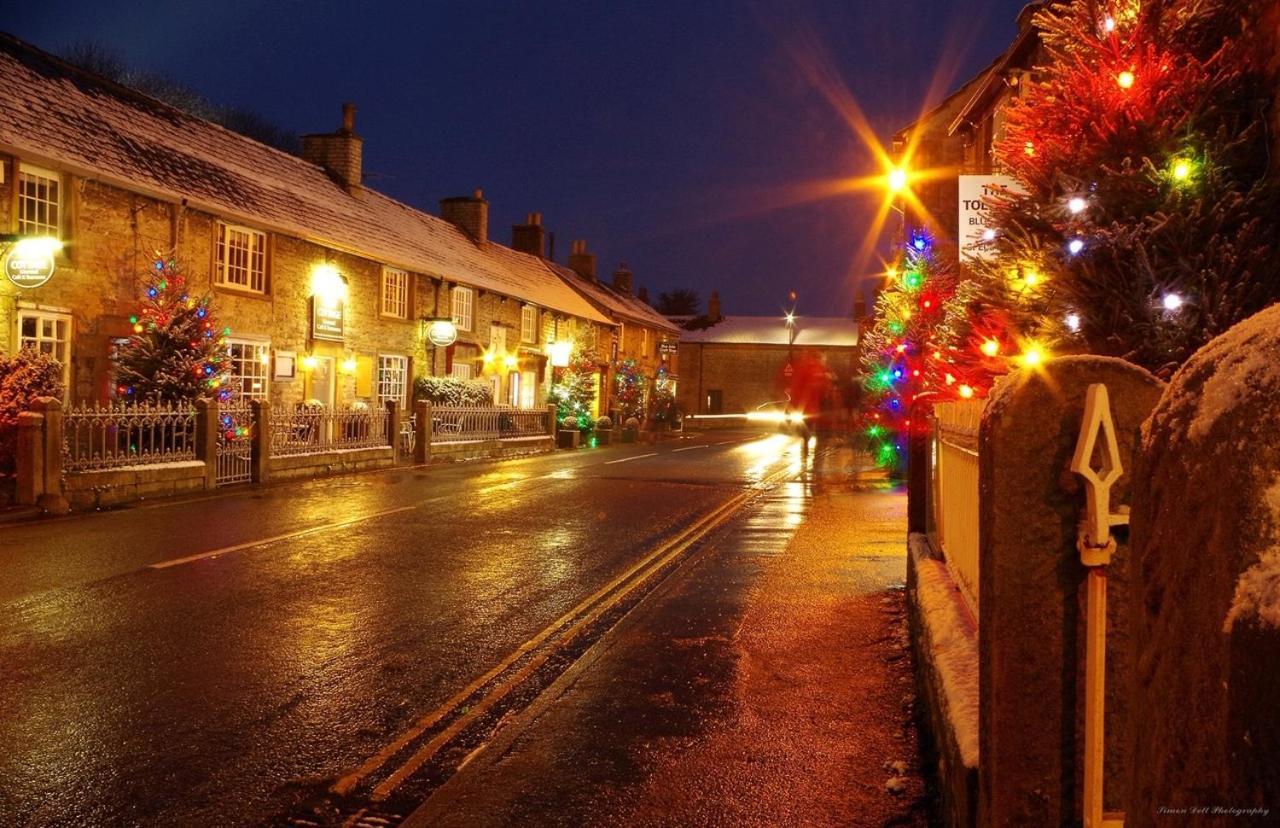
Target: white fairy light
<point>1171,302</point>
<point>1077,205</point>
<point>1073,322</point>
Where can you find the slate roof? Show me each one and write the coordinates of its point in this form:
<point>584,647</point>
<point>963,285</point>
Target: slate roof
<point>84,124</point>
<point>605,297</point>
<point>811,331</point>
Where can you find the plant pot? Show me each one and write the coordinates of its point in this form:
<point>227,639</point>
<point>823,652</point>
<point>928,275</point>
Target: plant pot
<point>568,438</point>
<point>604,436</point>
<point>629,435</point>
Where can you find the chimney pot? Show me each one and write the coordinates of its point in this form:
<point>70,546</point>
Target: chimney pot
<point>622,279</point>
<point>530,237</point>
<point>339,153</point>
<point>581,261</point>
<point>713,307</point>
<point>470,214</point>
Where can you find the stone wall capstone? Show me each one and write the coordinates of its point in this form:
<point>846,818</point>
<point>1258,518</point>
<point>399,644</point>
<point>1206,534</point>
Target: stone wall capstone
<point>1205,733</point>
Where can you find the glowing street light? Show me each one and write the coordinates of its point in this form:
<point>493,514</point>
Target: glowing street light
<point>897,179</point>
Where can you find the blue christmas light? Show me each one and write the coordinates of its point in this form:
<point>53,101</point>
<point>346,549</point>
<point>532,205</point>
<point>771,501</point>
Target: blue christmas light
<point>151,292</point>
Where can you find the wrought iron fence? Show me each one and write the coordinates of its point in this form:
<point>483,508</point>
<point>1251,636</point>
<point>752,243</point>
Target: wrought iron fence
<point>454,424</point>
<point>127,434</point>
<point>235,448</point>
<point>309,429</point>
<point>953,498</point>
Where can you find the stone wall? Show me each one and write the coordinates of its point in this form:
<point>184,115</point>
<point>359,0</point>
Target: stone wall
<point>746,375</point>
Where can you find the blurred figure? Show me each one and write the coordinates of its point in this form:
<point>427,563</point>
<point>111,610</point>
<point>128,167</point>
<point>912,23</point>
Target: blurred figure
<point>808,389</point>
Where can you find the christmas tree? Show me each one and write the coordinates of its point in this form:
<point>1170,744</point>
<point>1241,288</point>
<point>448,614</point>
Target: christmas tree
<point>177,353</point>
<point>629,384</point>
<point>573,389</point>
<point>1151,206</point>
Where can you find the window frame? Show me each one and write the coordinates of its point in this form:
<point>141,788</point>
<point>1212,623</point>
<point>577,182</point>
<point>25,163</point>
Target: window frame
<point>222,265</point>
<point>262,370</point>
<point>463,322</point>
<point>52,178</point>
<point>462,369</point>
<point>41,315</point>
<point>390,275</point>
<point>529,324</point>
<point>381,384</point>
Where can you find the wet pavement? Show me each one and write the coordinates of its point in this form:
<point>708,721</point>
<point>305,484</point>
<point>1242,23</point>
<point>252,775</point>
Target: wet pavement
<point>224,660</point>
<point>765,682</point>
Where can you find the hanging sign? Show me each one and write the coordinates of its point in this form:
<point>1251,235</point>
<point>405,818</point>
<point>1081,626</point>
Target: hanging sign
<point>30,264</point>
<point>328,318</point>
<point>442,333</point>
<point>977,236</point>
<point>668,346</point>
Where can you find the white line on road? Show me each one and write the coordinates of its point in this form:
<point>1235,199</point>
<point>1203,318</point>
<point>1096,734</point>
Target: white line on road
<point>629,459</point>
<point>688,448</point>
<point>277,538</point>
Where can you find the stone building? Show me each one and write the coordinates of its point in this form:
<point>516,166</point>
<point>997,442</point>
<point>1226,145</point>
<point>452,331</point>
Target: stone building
<point>328,287</point>
<point>738,364</point>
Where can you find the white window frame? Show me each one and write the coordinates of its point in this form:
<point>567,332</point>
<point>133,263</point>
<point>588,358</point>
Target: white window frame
<point>395,293</point>
<point>46,205</point>
<point>462,303</point>
<point>622,339</point>
<point>462,369</point>
<point>257,360</point>
<point>393,379</point>
<point>58,348</point>
<point>529,324</point>
<point>644,342</point>
<point>254,255</point>
<point>528,389</point>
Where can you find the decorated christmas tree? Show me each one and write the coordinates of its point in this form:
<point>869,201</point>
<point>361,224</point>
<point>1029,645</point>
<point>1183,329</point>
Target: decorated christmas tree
<point>629,384</point>
<point>1152,203</point>
<point>177,352</point>
<point>573,390</point>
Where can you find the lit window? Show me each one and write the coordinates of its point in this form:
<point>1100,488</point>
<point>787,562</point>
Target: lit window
<point>644,342</point>
<point>463,307</point>
<point>462,370</point>
<point>395,293</point>
<point>622,337</point>
<point>39,201</point>
<point>528,389</point>
<point>242,258</point>
<point>393,379</point>
<point>248,368</point>
<point>528,324</point>
<point>513,390</point>
<point>47,333</point>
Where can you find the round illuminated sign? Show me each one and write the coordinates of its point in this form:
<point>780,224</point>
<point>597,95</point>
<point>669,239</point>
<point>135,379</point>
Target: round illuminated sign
<point>442,333</point>
<point>31,262</point>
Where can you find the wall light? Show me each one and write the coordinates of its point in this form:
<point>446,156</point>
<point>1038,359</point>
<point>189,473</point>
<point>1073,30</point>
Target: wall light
<point>327,283</point>
<point>560,353</point>
<point>308,362</point>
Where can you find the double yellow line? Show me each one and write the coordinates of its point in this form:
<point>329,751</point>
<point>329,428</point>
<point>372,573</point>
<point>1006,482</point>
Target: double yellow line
<point>578,619</point>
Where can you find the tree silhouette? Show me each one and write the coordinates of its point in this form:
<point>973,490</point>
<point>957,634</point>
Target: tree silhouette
<point>680,302</point>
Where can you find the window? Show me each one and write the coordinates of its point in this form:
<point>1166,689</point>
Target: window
<point>393,379</point>
<point>715,401</point>
<point>47,333</point>
<point>39,201</point>
<point>462,370</point>
<point>622,337</point>
<point>395,293</point>
<point>242,258</point>
<point>528,324</point>
<point>250,362</point>
<point>463,307</point>
<point>644,342</point>
<point>513,389</point>
<point>528,389</point>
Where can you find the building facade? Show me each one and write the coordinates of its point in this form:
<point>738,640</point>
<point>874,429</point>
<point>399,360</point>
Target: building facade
<point>329,289</point>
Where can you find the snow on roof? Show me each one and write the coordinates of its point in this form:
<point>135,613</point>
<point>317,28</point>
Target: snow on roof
<point>55,113</point>
<point>630,308</point>
<point>812,331</point>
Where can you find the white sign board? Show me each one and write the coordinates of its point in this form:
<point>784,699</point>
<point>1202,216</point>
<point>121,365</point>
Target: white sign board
<point>975,241</point>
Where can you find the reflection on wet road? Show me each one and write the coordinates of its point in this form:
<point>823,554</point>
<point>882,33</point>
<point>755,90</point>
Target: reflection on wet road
<point>210,662</point>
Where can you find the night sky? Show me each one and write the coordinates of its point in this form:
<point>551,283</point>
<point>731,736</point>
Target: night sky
<point>675,136</point>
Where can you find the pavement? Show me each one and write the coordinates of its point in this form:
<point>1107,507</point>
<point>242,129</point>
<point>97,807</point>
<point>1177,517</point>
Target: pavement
<point>766,682</point>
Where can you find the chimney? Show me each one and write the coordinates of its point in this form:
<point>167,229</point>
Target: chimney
<point>643,294</point>
<point>713,307</point>
<point>530,237</point>
<point>339,153</point>
<point>470,214</point>
<point>582,261</point>
<point>622,279</point>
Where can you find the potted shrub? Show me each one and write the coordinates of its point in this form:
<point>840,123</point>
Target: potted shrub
<point>630,429</point>
<point>604,431</point>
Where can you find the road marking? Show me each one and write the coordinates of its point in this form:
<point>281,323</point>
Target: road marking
<point>213,553</point>
<point>688,448</point>
<point>594,606</point>
<point>629,459</point>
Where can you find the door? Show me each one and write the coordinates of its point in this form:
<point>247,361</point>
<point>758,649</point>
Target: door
<point>324,385</point>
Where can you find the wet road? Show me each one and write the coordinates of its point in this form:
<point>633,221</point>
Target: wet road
<point>218,660</point>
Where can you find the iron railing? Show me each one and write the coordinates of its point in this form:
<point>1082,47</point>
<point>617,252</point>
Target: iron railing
<point>309,429</point>
<point>953,526</point>
<point>99,437</point>
<point>454,424</point>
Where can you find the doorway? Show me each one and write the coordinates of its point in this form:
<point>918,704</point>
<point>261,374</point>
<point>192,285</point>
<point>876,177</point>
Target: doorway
<point>324,386</point>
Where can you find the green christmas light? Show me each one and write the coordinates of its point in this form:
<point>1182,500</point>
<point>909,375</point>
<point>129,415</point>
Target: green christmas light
<point>912,280</point>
